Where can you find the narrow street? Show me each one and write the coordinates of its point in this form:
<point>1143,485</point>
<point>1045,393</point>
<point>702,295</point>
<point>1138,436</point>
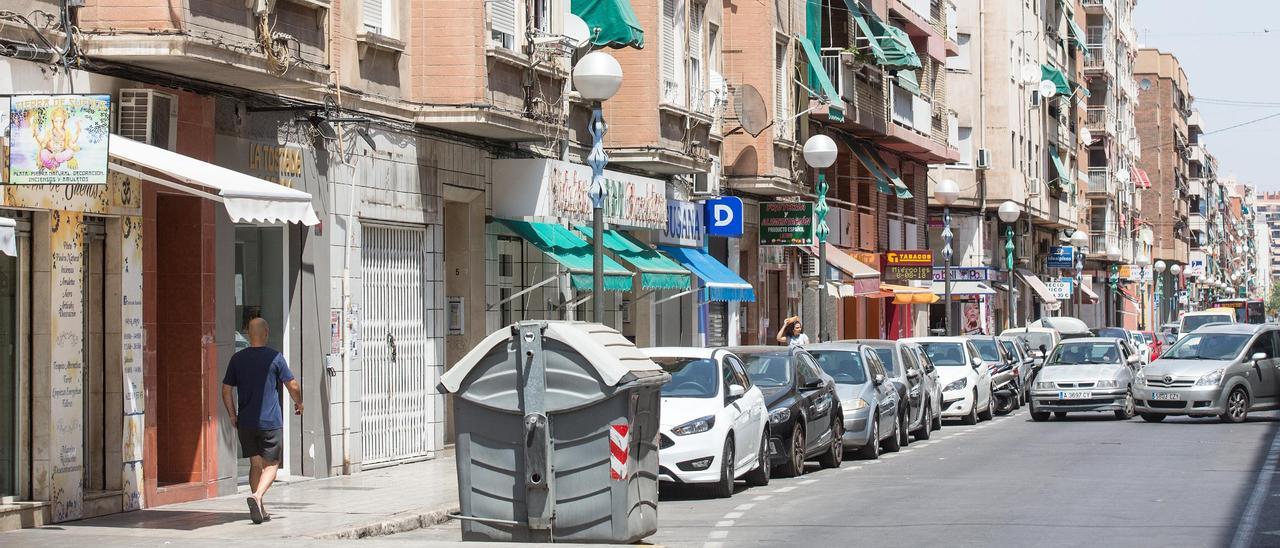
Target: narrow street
<point>1083,481</point>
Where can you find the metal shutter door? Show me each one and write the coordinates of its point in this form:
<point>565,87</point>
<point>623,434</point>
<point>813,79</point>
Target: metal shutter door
<point>398,353</point>
<point>717,324</point>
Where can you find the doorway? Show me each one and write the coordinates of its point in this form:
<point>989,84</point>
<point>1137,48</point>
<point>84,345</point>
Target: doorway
<point>261,291</point>
<point>11,405</point>
<point>101,414</point>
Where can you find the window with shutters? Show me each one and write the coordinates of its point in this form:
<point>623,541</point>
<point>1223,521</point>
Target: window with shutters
<point>381,17</point>
<point>502,23</point>
<point>696,59</point>
<point>673,48</point>
<point>781,87</point>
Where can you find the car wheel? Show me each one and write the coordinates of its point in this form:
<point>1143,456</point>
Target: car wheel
<point>972,417</point>
<point>723,489</point>
<point>1128,411</point>
<point>1151,417</point>
<point>1237,406</point>
<point>937,421</point>
<point>926,423</point>
<point>795,463</point>
<point>834,454</point>
<point>871,451</point>
<point>1039,416</point>
<point>893,443</point>
<point>991,407</point>
<point>760,476</point>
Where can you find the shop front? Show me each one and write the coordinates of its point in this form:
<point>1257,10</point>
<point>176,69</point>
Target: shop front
<point>973,301</point>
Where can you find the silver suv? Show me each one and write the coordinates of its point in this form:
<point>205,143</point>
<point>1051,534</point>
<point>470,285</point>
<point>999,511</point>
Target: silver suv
<point>1223,370</point>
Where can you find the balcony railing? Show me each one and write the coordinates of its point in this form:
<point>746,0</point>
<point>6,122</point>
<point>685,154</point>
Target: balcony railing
<point>1100,180</point>
<point>1101,119</point>
<point>834,68</point>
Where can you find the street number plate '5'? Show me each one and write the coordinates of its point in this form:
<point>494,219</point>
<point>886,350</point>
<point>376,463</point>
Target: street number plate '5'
<point>1077,395</point>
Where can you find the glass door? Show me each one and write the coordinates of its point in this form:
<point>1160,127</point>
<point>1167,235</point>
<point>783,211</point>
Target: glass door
<point>262,291</point>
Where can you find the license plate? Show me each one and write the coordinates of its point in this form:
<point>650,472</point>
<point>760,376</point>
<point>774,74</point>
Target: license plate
<point>1075,395</point>
<point>1166,396</point>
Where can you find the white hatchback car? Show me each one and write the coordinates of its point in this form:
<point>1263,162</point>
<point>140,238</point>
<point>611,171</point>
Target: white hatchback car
<point>965,380</point>
<point>714,426</point>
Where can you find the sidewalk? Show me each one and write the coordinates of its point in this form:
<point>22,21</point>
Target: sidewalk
<point>371,503</point>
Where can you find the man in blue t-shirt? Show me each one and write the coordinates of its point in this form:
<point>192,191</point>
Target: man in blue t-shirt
<point>256,374</point>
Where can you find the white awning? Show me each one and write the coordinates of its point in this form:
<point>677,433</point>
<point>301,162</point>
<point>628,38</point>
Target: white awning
<point>962,288</point>
<point>851,267</point>
<point>8,237</point>
<point>247,198</point>
<point>1038,286</point>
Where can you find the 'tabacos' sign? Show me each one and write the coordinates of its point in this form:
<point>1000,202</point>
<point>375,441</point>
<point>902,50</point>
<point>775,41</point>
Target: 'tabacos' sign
<point>724,216</point>
<point>684,224</point>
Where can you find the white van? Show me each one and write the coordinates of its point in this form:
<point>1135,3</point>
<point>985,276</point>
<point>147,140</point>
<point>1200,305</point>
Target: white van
<point>1193,320</point>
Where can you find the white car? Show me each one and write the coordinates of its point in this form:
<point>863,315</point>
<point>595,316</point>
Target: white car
<point>966,382</point>
<point>714,426</point>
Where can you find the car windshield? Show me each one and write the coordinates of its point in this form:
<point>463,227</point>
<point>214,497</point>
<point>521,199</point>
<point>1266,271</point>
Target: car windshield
<point>1113,332</point>
<point>1207,346</point>
<point>1191,323</point>
<point>944,353</point>
<point>886,357</point>
<point>1010,347</point>
<point>1148,338</point>
<point>843,366</point>
<point>1085,352</point>
<point>987,349</point>
<point>770,369</point>
<point>690,377</point>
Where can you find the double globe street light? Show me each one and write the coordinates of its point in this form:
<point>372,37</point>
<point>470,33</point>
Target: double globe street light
<point>597,77</point>
<point>820,152</point>
<point>946,193</point>
<point>1009,213</point>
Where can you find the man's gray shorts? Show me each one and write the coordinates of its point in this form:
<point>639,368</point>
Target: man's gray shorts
<point>260,443</point>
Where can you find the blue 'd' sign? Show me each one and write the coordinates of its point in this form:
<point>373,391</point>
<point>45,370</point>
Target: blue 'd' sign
<point>724,216</point>
<point>1061,256</point>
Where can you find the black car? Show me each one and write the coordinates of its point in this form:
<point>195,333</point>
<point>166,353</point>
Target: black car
<point>805,420</point>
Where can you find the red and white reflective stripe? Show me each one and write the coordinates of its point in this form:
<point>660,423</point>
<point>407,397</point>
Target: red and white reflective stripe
<point>619,445</point>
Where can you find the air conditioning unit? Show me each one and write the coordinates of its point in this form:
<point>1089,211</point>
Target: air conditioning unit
<point>1035,98</point>
<point>1033,187</point>
<point>148,116</point>
<point>984,158</point>
<point>707,185</point>
<point>809,266</point>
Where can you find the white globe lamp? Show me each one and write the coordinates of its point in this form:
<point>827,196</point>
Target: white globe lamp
<point>597,76</point>
<point>820,152</point>
<point>1009,211</point>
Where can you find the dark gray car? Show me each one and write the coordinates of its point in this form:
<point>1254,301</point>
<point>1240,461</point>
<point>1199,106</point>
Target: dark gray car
<point>903,367</point>
<point>869,400</point>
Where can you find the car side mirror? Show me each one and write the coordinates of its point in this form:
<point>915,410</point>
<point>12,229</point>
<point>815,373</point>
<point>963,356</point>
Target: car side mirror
<point>977,362</point>
<point>913,373</point>
<point>736,391</point>
<point>878,379</point>
<point>813,383</point>
<point>1037,354</point>
<point>1258,356</point>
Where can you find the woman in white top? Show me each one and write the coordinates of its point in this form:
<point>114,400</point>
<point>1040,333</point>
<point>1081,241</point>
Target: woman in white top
<point>792,332</point>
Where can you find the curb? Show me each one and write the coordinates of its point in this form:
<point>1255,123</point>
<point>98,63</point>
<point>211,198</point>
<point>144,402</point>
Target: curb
<point>398,523</point>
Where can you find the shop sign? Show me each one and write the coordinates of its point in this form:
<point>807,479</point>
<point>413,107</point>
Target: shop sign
<point>59,139</point>
<point>1195,268</point>
<point>786,223</point>
<point>724,216</point>
<point>684,224</point>
<point>962,274</point>
<point>1061,256</point>
<point>1060,288</point>
<point>910,264</point>
<point>558,190</point>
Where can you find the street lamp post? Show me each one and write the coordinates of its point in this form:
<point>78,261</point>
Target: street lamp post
<point>1080,240</point>
<point>1009,213</point>
<point>1158,306</point>
<point>820,152</point>
<point>946,193</point>
<point>1143,261</point>
<point>1175,270</point>
<point>1114,255</point>
<point>597,77</point>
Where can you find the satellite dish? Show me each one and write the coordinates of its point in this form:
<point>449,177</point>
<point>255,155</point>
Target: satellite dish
<point>749,107</point>
<point>1086,136</point>
<point>1030,73</point>
<point>1048,89</point>
<point>1122,175</point>
<point>576,30</point>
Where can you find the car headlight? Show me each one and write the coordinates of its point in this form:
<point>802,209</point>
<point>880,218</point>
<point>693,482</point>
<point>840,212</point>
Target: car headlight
<point>778,416</point>
<point>1212,378</point>
<point>695,426</point>
<point>1140,379</point>
<point>1046,385</point>
<point>957,384</point>
<point>854,405</point>
<point>1107,384</point>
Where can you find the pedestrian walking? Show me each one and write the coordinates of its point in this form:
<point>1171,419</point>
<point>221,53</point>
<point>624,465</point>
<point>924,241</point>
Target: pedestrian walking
<point>256,374</point>
<point>792,332</point>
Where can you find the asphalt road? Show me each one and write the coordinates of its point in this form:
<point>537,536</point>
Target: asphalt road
<point>1083,481</point>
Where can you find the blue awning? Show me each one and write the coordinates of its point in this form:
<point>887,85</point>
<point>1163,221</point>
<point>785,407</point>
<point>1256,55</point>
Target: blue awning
<point>720,283</point>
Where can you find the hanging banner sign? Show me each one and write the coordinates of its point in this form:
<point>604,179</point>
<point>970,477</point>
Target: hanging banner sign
<point>1061,256</point>
<point>962,274</point>
<point>558,191</point>
<point>684,224</point>
<point>912,264</point>
<point>59,139</point>
<point>786,223</point>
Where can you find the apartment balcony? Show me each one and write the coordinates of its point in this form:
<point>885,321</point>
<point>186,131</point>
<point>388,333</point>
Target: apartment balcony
<point>1101,60</point>
<point>1101,183</point>
<point>866,113</point>
<point>1100,7</point>
<point>1101,120</point>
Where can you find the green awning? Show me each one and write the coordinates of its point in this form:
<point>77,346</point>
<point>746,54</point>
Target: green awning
<point>1079,88</point>
<point>572,252</point>
<point>1051,73</point>
<point>1064,175</point>
<point>657,271</point>
<point>907,80</point>
<point>887,180</point>
<point>890,46</point>
<point>612,22</point>
<point>1077,36</point>
<point>823,82</point>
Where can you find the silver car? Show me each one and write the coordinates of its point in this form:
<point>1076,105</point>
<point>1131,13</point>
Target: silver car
<point>867,396</point>
<point>1093,374</point>
<point>1223,370</point>
<point>922,402</point>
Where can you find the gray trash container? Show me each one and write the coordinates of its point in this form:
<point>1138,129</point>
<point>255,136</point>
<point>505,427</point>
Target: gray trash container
<point>557,426</point>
